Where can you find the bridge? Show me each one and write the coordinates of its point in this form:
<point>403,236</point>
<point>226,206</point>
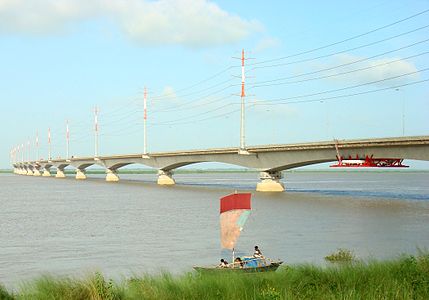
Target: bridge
<point>269,160</point>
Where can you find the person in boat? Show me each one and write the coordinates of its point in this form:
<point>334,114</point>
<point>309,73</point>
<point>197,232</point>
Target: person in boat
<point>257,253</point>
<point>238,263</point>
<point>223,263</point>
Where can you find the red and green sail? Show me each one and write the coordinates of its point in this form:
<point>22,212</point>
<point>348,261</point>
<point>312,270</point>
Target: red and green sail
<point>234,211</point>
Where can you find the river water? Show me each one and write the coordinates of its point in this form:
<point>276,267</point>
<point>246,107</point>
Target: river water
<point>69,227</point>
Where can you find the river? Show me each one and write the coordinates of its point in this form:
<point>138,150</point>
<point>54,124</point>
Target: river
<point>70,227</point>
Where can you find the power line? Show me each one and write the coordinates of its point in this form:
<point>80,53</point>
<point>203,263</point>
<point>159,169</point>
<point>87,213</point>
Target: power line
<point>175,109</point>
<point>346,64</point>
<point>174,94</point>
<point>342,41</point>
<point>263,103</point>
<point>340,52</point>
<point>194,115</point>
<point>292,102</point>
<point>349,87</point>
<point>119,120</point>
<point>120,131</point>
<point>278,101</point>
<point>340,74</point>
<point>200,82</point>
<point>175,106</point>
<point>199,120</point>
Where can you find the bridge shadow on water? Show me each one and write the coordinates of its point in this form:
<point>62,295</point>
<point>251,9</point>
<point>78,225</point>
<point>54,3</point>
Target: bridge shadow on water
<point>229,185</point>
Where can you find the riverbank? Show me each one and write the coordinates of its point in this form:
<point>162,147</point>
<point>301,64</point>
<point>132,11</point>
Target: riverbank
<point>406,277</point>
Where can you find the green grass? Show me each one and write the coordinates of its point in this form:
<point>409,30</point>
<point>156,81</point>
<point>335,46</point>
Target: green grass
<point>341,256</point>
<point>406,277</point>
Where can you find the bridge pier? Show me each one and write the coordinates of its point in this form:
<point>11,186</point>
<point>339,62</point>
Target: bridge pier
<point>60,173</point>
<point>165,178</point>
<point>46,172</point>
<point>111,175</point>
<point>80,174</point>
<point>270,182</point>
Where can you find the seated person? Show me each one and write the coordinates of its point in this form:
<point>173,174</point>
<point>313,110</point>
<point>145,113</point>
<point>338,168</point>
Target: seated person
<point>238,262</point>
<point>223,263</point>
<point>257,253</point>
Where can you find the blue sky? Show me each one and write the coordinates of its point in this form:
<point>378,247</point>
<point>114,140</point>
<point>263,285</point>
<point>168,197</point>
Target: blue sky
<point>319,70</point>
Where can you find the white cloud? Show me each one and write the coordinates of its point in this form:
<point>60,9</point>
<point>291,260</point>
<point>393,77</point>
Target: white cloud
<point>373,70</point>
<point>165,98</point>
<point>194,23</point>
<point>266,43</point>
<point>168,93</point>
<point>41,17</point>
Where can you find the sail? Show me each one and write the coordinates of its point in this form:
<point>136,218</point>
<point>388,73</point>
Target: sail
<point>234,211</point>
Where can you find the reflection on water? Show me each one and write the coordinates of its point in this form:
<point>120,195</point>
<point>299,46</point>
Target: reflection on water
<point>134,226</point>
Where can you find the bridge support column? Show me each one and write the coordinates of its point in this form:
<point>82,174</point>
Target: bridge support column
<point>80,174</point>
<point>46,172</point>
<point>36,172</point>
<point>112,175</point>
<point>165,178</point>
<point>270,182</point>
<point>60,173</point>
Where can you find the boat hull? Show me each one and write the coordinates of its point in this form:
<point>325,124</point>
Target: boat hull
<point>268,268</point>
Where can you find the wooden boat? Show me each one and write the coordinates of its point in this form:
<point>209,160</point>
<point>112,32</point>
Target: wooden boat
<point>234,211</point>
<point>253,265</point>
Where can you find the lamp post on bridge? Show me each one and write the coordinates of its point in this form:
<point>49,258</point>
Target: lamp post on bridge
<point>96,130</point>
<point>403,110</point>
<point>67,140</point>
<point>28,149</point>
<point>37,146</point>
<point>49,144</point>
<point>145,155</point>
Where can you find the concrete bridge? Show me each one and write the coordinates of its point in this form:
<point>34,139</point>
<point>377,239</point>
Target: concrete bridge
<point>270,160</point>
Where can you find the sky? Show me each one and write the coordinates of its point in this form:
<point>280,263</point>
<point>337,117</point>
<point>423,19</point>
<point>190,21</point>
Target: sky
<point>315,71</point>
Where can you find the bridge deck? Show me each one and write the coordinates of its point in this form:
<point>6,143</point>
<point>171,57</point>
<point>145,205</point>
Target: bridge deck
<point>342,144</point>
